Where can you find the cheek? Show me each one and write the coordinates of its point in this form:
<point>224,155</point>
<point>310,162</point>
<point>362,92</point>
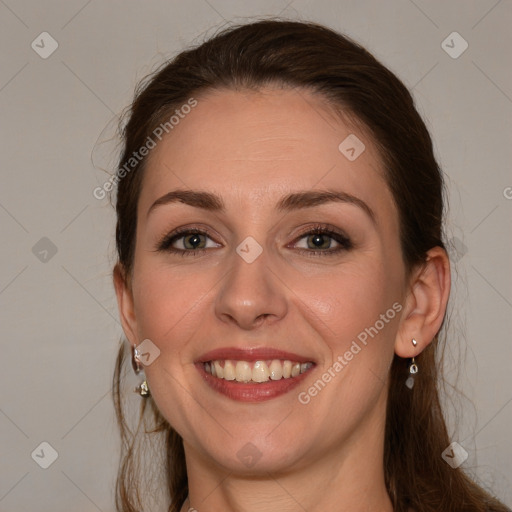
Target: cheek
<point>353,312</point>
<point>347,301</point>
<point>166,302</point>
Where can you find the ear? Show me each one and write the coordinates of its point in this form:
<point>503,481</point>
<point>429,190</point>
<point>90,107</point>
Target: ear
<point>125,304</point>
<point>425,304</point>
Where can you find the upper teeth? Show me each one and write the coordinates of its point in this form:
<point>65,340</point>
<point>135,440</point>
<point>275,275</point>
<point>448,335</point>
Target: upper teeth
<point>257,371</point>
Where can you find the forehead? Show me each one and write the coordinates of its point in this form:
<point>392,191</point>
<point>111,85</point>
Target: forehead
<point>252,147</point>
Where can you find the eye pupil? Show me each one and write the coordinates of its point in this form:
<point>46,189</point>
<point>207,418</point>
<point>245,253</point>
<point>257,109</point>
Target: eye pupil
<point>194,240</point>
<point>318,240</point>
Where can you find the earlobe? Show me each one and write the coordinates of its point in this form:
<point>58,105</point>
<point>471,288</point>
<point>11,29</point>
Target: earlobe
<point>425,304</point>
<point>125,304</point>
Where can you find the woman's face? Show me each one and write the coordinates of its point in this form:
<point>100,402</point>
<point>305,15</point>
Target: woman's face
<point>252,286</point>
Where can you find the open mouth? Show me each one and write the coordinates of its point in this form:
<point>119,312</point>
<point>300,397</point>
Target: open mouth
<point>253,374</point>
<point>255,371</point>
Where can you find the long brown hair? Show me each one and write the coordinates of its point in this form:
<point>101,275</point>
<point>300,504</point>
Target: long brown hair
<point>308,55</point>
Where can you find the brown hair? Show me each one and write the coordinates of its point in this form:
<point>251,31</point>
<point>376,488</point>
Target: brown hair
<point>308,55</point>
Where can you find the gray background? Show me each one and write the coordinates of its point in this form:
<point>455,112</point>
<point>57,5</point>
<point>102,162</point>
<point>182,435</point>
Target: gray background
<point>59,319</point>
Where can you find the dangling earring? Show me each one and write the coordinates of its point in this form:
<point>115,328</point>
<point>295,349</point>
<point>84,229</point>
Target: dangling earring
<point>413,369</point>
<point>135,362</point>
<point>142,389</point>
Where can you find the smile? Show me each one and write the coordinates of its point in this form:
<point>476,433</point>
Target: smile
<point>255,371</point>
<point>253,374</point>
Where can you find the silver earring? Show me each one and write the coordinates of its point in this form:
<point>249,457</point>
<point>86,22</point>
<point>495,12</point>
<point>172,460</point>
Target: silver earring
<point>142,389</point>
<point>137,368</point>
<point>413,370</point>
<point>413,367</point>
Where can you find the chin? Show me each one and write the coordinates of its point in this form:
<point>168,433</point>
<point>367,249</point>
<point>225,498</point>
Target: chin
<point>258,456</point>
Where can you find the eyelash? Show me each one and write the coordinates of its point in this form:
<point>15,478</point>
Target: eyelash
<point>165,244</point>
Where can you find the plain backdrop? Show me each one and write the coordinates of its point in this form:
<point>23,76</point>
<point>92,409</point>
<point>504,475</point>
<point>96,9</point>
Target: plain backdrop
<point>59,322</point>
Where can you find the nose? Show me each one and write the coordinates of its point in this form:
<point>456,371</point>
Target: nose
<point>251,293</point>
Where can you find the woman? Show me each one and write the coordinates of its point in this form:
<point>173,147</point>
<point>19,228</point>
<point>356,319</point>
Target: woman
<point>282,281</point>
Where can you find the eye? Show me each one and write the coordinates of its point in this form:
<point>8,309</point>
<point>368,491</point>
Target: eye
<point>319,241</point>
<point>186,242</point>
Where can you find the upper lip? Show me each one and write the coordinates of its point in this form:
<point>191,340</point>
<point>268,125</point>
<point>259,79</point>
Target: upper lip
<point>251,354</point>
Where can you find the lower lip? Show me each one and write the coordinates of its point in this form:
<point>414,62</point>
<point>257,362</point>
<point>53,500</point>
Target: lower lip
<point>248,391</point>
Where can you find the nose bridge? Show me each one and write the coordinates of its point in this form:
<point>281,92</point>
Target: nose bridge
<point>250,290</point>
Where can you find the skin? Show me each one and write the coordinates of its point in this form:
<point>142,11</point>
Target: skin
<point>252,148</point>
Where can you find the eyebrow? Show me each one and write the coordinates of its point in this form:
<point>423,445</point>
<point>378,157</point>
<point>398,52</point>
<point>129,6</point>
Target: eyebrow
<point>294,201</point>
